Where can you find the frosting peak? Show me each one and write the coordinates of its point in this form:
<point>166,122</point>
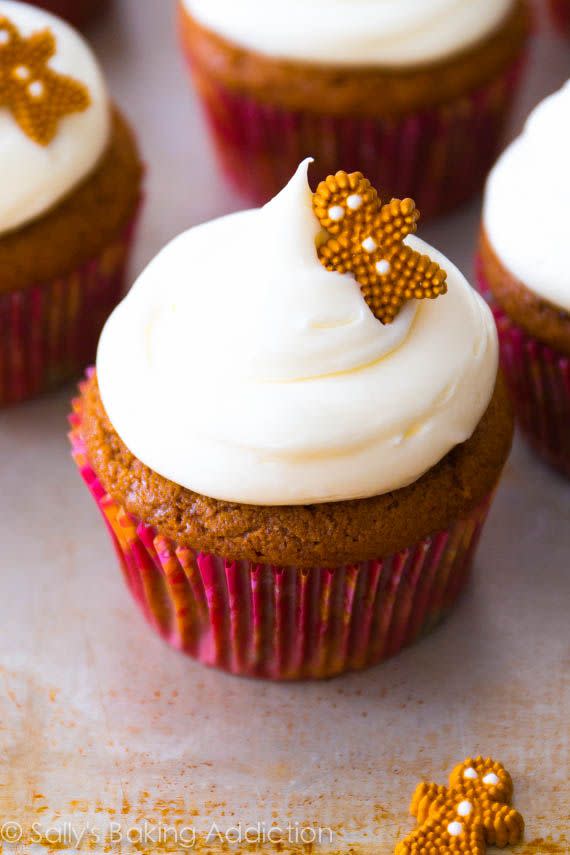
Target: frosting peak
<point>525,214</point>
<point>46,148</point>
<point>353,32</point>
<point>240,368</point>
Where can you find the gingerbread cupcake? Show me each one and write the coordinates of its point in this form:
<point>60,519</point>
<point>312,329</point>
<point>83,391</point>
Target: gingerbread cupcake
<point>414,94</point>
<point>525,271</point>
<point>295,450</point>
<point>71,190</point>
<point>77,12</point>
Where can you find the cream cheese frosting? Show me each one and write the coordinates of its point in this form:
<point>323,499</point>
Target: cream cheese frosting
<point>34,177</point>
<point>238,367</point>
<point>526,202</point>
<point>352,32</point>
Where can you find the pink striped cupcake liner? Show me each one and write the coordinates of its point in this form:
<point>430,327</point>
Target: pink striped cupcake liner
<point>49,331</point>
<point>538,378</point>
<point>284,623</point>
<point>440,157</point>
<point>561,15</point>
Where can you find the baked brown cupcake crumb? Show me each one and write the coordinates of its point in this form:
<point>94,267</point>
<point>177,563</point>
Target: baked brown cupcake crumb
<point>329,534</point>
<point>535,315</point>
<point>78,227</point>
<point>365,91</point>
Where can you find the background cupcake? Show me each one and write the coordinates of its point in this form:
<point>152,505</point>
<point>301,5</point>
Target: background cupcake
<point>71,190</point>
<point>415,95</point>
<point>294,488</point>
<point>525,271</point>
<point>77,12</point>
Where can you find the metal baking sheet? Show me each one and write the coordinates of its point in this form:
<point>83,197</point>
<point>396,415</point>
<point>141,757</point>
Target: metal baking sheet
<point>104,728</point>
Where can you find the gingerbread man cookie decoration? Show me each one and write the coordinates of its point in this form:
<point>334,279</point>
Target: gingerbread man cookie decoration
<point>37,96</point>
<point>463,819</point>
<point>366,238</point>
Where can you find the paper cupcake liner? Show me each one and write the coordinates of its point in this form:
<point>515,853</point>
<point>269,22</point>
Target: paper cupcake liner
<point>49,332</point>
<point>440,157</point>
<point>538,378</point>
<point>77,12</point>
<point>284,623</point>
<point>561,15</point>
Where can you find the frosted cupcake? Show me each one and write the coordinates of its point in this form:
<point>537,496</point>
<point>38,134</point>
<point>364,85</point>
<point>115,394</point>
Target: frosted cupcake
<point>77,12</point>
<point>414,94</point>
<point>71,188</point>
<point>525,271</point>
<point>294,451</point>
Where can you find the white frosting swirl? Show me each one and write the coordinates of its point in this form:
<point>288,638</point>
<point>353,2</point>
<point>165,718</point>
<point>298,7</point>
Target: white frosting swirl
<point>352,32</point>
<point>526,202</point>
<point>33,177</point>
<point>237,366</point>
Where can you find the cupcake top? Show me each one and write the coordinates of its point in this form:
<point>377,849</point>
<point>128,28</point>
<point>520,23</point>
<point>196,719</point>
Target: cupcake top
<point>353,32</point>
<point>54,112</point>
<point>525,214</point>
<point>242,369</point>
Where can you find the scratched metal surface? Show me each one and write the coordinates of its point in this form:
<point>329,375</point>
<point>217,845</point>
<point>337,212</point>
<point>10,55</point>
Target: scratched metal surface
<point>100,721</point>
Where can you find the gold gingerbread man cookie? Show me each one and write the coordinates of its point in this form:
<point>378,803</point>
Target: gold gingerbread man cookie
<point>37,96</point>
<point>366,238</point>
<point>473,812</point>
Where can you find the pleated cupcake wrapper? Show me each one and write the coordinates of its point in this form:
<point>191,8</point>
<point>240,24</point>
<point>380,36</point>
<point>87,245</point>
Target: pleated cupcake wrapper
<point>440,157</point>
<point>539,382</point>
<point>49,332</point>
<point>284,623</point>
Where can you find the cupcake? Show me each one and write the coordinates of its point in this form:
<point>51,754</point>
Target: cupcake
<point>525,271</point>
<point>414,94</point>
<point>71,190</point>
<point>77,12</point>
<point>293,451</point>
<point>561,15</point>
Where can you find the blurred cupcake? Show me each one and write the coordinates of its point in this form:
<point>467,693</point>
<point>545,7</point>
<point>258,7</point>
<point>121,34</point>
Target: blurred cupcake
<point>71,188</point>
<point>414,94</point>
<point>561,15</point>
<point>525,271</point>
<point>77,12</point>
<point>295,470</point>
